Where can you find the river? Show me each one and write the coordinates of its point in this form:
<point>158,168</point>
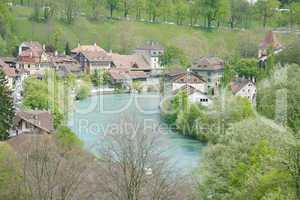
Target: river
<point>95,115</point>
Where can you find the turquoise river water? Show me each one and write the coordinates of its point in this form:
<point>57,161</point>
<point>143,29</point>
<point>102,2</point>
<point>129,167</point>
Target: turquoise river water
<point>93,117</point>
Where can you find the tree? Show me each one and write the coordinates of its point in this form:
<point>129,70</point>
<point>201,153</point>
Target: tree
<point>238,11</point>
<point>291,53</point>
<point>83,91</point>
<point>131,167</point>
<point>126,5</point>
<point>112,6</point>
<point>188,120</point>
<point>246,68</point>
<point>294,13</point>
<point>283,83</point>
<point>44,165</point>
<point>67,49</point>
<point>266,9</point>
<point>69,10</point>
<point>9,173</point>
<point>294,166</point>
<point>139,6</point>
<point>174,56</point>
<point>7,110</point>
<point>213,10</point>
<point>225,111</point>
<point>94,6</point>
<point>248,163</point>
<point>67,139</point>
<point>181,9</point>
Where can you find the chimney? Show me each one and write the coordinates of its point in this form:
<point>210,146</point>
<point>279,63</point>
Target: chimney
<point>78,45</point>
<point>44,47</point>
<point>95,44</point>
<point>55,53</point>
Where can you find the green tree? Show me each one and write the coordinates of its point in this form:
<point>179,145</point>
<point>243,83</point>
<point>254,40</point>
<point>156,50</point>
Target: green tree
<point>291,53</point>
<point>294,13</point>
<point>174,56</point>
<point>94,7</point>
<point>69,10</point>
<point>67,139</point>
<point>10,173</point>
<point>239,9</point>
<point>181,9</point>
<point>213,10</point>
<point>246,68</point>
<point>83,91</point>
<point>284,80</point>
<point>112,6</point>
<point>67,49</point>
<point>139,6</point>
<point>7,110</point>
<point>248,163</point>
<point>266,9</point>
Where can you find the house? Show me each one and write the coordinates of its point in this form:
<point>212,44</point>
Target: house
<point>33,122</point>
<point>32,58</point>
<point>194,95</point>
<point>152,52</point>
<point>245,88</point>
<point>172,73</point>
<point>10,74</point>
<point>190,79</point>
<point>92,57</point>
<point>125,77</point>
<point>11,61</point>
<point>270,42</point>
<point>64,65</point>
<point>133,62</point>
<point>211,69</point>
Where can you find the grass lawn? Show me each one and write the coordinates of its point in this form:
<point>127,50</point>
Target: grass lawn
<point>123,36</point>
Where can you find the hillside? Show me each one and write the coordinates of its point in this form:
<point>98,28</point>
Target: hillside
<point>123,36</point>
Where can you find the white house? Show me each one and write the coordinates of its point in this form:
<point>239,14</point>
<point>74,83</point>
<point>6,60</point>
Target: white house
<point>245,88</point>
<point>190,79</point>
<point>194,95</point>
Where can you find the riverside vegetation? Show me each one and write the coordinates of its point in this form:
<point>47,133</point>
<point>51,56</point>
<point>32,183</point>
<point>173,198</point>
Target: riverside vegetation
<point>250,154</point>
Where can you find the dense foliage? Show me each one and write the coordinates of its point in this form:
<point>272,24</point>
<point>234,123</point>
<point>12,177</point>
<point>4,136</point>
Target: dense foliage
<point>278,96</point>
<point>206,124</point>
<point>251,161</point>
<point>38,95</point>
<point>212,13</point>
<point>8,40</point>
<point>6,108</point>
